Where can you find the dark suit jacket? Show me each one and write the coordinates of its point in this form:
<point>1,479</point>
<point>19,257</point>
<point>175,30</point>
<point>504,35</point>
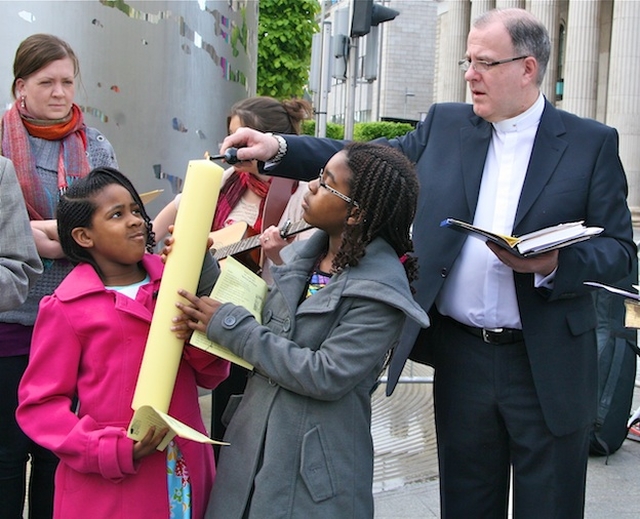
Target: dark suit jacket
<point>574,174</point>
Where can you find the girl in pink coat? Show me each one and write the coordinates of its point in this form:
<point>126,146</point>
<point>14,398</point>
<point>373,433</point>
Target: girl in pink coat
<point>88,342</point>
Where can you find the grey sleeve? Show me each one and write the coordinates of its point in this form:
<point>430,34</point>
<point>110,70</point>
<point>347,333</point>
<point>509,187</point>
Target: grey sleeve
<point>20,264</point>
<point>99,150</point>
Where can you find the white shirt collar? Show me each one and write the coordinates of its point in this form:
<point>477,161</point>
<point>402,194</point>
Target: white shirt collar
<point>523,121</point>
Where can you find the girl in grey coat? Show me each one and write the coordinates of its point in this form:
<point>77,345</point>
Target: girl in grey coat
<point>300,437</point>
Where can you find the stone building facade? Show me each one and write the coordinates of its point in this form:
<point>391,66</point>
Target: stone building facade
<point>594,70</point>
<point>404,88</point>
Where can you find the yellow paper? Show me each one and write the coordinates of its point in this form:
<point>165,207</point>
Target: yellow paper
<point>632,313</point>
<point>146,417</point>
<point>237,285</point>
<point>182,270</point>
<point>150,195</point>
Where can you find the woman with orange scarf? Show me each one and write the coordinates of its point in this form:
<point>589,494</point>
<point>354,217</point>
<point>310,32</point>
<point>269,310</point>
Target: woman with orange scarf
<point>45,137</point>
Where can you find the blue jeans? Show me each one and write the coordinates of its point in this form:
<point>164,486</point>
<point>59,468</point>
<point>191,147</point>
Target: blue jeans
<point>15,449</point>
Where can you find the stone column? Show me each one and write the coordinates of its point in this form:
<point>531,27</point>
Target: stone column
<point>453,30</point>
<point>477,8</point>
<point>506,4</point>
<point>480,6</point>
<point>547,12</point>
<point>623,103</point>
<point>581,58</point>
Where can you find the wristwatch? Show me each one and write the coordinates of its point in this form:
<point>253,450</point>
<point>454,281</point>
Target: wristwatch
<point>282,149</point>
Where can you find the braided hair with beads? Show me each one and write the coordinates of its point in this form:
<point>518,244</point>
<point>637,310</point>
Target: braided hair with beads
<point>77,207</point>
<point>385,185</point>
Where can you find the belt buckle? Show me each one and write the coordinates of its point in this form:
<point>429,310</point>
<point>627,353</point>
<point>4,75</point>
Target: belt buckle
<point>488,335</point>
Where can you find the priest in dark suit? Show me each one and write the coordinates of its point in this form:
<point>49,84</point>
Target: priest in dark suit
<point>513,340</point>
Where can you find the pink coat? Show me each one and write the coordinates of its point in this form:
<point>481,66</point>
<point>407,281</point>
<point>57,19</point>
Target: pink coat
<point>88,342</point>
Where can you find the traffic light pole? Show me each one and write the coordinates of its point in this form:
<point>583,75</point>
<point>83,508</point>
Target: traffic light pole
<point>363,14</point>
<point>325,81</point>
<point>352,80</point>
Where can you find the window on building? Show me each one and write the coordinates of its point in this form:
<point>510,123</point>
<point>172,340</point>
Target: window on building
<point>560,69</point>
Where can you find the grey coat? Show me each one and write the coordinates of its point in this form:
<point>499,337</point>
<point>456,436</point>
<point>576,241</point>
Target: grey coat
<point>20,264</point>
<point>46,153</point>
<point>300,438</point>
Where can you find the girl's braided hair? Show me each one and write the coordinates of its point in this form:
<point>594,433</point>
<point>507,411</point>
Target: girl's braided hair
<point>77,207</point>
<point>385,186</point>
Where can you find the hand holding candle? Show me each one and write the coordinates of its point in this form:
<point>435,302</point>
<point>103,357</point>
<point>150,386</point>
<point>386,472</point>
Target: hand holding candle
<point>163,350</point>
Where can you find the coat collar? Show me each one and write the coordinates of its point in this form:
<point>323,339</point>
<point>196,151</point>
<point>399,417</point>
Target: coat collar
<point>379,276</point>
<point>83,279</point>
<point>548,149</point>
<point>474,146</point>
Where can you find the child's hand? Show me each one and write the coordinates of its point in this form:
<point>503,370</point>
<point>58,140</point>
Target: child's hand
<point>149,443</point>
<point>45,235</point>
<point>168,243</point>
<point>272,243</point>
<point>195,316</point>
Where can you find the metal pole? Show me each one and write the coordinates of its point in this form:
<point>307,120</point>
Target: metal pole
<point>352,75</point>
<point>380,76</point>
<point>325,79</point>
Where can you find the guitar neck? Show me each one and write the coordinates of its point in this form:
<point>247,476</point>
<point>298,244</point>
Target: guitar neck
<point>254,241</point>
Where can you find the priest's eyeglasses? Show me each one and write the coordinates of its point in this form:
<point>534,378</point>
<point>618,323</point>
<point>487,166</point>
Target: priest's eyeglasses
<point>483,66</point>
<point>333,191</point>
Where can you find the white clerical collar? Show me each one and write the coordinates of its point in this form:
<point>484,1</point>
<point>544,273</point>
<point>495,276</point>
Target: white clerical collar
<point>523,121</point>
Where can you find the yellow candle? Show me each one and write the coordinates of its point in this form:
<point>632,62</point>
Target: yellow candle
<point>182,270</point>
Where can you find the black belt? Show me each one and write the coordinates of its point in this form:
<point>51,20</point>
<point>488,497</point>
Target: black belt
<point>492,335</point>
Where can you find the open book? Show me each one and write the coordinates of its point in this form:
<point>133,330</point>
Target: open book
<point>147,416</point>
<point>532,243</point>
<point>615,290</point>
<point>237,285</point>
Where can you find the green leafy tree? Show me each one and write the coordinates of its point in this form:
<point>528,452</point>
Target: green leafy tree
<point>285,30</point>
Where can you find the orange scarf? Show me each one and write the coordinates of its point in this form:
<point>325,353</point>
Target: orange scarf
<point>58,129</point>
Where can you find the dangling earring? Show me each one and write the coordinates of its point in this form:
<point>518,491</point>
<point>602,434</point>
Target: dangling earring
<point>23,105</point>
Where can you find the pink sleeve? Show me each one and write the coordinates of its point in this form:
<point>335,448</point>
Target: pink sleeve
<point>210,370</point>
<point>45,397</point>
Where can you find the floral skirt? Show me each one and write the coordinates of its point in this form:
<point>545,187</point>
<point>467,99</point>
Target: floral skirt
<point>178,483</point>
